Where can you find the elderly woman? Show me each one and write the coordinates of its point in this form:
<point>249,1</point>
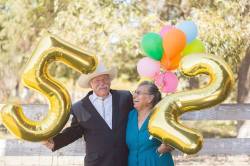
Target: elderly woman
<point>142,150</point>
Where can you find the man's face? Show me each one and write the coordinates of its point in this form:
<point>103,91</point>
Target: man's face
<point>101,85</point>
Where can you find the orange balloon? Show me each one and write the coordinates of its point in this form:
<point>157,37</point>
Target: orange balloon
<point>174,42</point>
<point>170,63</point>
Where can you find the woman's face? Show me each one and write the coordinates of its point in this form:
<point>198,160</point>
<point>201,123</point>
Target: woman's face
<point>142,98</point>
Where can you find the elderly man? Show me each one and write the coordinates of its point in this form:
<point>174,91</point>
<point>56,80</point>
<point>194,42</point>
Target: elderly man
<point>101,118</point>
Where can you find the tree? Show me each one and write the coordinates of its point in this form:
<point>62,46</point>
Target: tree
<point>112,29</point>
<point>21,22</point>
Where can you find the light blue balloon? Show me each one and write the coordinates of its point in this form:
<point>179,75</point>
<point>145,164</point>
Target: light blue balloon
<point>189,28</point>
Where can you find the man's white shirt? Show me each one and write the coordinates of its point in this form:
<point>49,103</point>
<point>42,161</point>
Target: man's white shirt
<point>103,107</point>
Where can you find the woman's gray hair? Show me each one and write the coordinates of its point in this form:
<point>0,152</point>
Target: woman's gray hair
<point>153,90</point>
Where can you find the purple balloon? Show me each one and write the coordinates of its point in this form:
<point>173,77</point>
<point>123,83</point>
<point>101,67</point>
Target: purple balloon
<point>165,29</point>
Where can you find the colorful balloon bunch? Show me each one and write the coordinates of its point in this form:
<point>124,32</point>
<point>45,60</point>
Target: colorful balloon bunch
<point>165,50</point>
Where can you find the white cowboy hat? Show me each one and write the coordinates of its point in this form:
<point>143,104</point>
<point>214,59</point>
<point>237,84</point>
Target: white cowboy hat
<point>84,79</point>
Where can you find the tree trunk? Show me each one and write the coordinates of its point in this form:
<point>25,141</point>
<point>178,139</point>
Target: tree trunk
<point>244,79</point>
<point>244,93</point>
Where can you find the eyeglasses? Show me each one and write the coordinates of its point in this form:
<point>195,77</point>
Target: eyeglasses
<point>141,93</point>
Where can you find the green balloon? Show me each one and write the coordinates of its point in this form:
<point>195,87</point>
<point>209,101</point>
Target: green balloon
<point>196,46</point>
<point>151,44</point>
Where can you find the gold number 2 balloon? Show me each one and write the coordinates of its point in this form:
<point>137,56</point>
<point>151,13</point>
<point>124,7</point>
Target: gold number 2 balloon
<point>164,123</point>
<point>36,76</point>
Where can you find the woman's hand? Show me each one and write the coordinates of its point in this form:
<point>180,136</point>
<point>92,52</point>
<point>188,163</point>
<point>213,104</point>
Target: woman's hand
<point>49,144</point>
<point>163,148</point>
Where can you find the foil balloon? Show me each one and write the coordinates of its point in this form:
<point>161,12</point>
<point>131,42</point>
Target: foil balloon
<point>164,123</point>
<point>36,76</point>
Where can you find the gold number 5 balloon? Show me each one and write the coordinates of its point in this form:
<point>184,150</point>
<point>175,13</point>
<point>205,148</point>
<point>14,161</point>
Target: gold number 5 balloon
<point>164,122</point>
<point>37,77</point>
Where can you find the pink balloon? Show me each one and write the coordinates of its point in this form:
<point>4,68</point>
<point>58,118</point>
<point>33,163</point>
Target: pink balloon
<point>165,29</point>
<point>159,80</point>
<point>170,82</point>
<point>148,67</point>
<point>167,82</point>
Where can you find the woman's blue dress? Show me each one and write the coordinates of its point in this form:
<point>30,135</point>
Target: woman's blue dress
<point>142,151</point>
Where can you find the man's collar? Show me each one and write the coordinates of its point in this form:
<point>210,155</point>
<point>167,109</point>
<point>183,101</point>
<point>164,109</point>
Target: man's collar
<point>95,97</point>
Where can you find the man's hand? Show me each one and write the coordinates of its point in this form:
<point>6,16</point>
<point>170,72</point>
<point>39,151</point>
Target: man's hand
<point>49,144</point>
<point>163,148</point>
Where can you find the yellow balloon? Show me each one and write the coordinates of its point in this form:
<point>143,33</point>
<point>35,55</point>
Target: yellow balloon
<point>36,76</point>
<point>164,123</point>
